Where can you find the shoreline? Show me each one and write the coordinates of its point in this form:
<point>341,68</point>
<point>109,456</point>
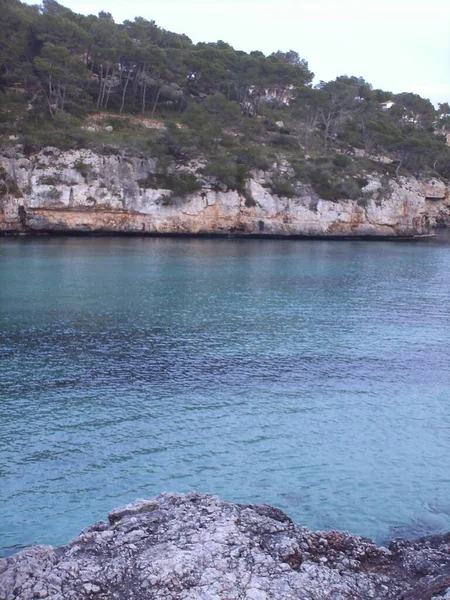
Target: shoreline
<point>210,235</point>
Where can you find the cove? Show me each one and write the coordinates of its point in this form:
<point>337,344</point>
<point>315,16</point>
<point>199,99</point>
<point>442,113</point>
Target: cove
<point>310,375</point>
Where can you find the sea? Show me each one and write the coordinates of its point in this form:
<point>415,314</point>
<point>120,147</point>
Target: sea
<point>309,375</point>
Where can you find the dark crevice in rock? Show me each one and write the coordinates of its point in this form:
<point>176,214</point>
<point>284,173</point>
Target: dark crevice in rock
<point>22,214</point>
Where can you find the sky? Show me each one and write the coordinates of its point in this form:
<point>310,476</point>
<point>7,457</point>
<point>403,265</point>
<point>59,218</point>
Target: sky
<point>396,45</point>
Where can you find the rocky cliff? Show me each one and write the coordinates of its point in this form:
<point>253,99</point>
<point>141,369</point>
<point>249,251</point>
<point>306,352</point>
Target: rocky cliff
<point>81,191</point>
<point>196,547</point>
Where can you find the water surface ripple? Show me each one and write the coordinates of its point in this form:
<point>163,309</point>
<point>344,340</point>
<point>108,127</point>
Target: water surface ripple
<point>314,376</point>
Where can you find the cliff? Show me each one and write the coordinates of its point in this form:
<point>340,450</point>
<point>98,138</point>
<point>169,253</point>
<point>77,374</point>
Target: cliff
<point>81,191</point>
<point>197,547</point>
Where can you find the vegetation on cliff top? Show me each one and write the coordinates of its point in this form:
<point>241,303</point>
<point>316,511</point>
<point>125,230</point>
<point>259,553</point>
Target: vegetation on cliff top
<point>70,80</point>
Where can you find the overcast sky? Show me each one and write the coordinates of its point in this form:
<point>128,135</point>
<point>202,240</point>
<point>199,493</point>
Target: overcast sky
<point>396,45</point>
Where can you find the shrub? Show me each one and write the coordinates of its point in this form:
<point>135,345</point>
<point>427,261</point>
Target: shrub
<point>83,168</point>
<point>178,143</point>
<point>282,187</point>
<point>342,161</point>
<point>249,201</point>
<point>254,158</point>
<point>181,184</point>
<point>350,189</point>
<point>8,185</point>
<point>119,123</point>
<point>323,186</point>
<point>164,162</point>
<point>285,141</point>
<point>54,194</point>
<point>232,174</point>
<point>300,169</point>
<point>148,183</point>
<point>362,181</point>
<point>65,121</point>
<point>49,180</point>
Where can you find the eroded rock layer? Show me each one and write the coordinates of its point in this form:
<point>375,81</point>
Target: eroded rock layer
<point>83,192</point>
<point>197,547</point>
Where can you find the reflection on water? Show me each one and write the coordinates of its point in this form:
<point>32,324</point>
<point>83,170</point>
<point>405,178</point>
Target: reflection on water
<point>312,375</point>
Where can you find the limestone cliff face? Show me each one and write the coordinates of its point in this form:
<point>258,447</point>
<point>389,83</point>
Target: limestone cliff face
<point>81,191</point>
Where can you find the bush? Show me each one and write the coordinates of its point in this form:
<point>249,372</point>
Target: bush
<point>54,194</point>
<point>254,158</point>
<point>64,121</point>
<point>282,187</point>
<point>323,186</point>
<point>13,110</point>
<point>363,202</point>
<point>120,123</point>
<point>135,140</point>
<point>350,189</point>
<point>342,161</point>
<point>164,162</point>
<point>148,183</point>
<point>49,180</point>
<point>8,185</point>
<point>285,141</point>
<point>249,201</point>
<point>300,169</point>
<point>230,173</point>
<point>33,141</point>
<point>361,181</point>
<point>177,143</point>
<point>83,168</point>
<point>181,184</point>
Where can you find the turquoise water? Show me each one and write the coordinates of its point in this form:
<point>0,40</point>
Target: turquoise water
<point>311,375</point>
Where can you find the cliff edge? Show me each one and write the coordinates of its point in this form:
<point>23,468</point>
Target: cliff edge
<point>80,191</point>
<point>197,547</point>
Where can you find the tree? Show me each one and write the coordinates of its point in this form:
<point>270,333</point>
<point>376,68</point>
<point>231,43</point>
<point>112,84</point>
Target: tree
<point>307,108</point>
<point>338,100</point>
<point>444,109</point>
<point>16,42</point>
<point>60,73</point>
<point>225,112</point>
<point>418,110</point>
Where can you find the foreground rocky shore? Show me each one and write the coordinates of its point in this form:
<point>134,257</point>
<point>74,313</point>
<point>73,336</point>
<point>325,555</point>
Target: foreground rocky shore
<point>197,547</point>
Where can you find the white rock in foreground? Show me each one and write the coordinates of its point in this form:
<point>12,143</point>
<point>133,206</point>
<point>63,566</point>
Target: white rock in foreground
<point>196,547</point>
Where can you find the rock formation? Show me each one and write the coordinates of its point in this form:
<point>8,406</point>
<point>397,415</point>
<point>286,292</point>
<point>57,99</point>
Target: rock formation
<point>81,191</point>
<point>197,547</point>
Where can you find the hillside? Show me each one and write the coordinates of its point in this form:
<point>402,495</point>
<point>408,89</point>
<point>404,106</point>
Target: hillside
<point>206,114</point>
